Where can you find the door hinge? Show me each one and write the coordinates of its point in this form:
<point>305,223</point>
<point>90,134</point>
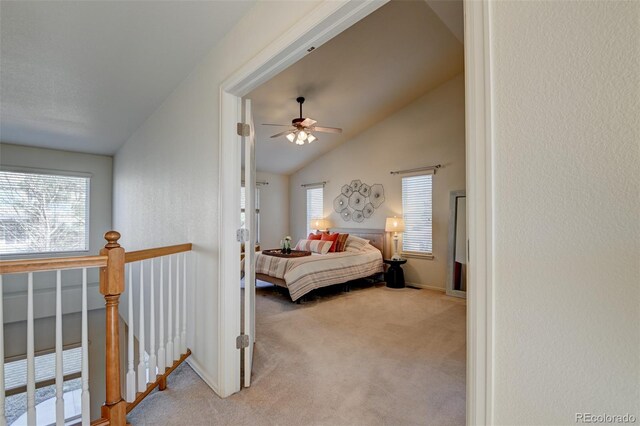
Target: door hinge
<point>242,341</point>
<point>244,129</point>
<point>242,235</point>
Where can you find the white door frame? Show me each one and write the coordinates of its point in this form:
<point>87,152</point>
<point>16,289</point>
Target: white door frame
<point>480,214</point>
<point>324,22</point>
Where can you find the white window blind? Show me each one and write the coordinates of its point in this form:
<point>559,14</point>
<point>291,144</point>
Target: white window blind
<point>417,212</point>
<point>257,204</point>
<point>43,213</point>
<point>315,206</point>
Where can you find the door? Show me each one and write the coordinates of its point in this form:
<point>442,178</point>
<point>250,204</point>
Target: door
<point>250,253</point>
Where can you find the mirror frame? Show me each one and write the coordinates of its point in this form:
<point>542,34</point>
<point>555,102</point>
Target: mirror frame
<point>453,212</point>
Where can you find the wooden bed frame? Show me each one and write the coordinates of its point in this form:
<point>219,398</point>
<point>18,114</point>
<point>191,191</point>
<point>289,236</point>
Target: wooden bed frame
<point>376,238</point>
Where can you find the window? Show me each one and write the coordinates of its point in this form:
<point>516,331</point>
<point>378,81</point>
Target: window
<point>417,212</point>
<point>315,206</point>
<point>43,213</point>
<point>257,205</point>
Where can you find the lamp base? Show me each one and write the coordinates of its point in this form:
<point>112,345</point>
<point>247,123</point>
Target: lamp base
<point>395,256</point>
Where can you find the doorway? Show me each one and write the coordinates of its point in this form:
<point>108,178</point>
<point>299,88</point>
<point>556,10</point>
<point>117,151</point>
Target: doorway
<point>328,21</point>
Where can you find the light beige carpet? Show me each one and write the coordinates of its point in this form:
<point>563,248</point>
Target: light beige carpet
<point>368,357</point>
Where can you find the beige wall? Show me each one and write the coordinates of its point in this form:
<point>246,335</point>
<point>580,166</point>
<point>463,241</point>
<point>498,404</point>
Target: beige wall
<point>274,208</point>
<point>426,132</point>
<point>166,176</point>
<point>566,85</point>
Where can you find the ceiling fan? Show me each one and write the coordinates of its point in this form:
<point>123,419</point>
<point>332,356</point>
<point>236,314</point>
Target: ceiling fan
<point>302,127</point>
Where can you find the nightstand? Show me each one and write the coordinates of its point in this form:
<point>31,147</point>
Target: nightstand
<point>394,275</point>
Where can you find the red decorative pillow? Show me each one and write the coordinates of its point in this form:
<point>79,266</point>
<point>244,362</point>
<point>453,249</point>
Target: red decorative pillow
<point>333,238</point>
<point>313,236</point>
<point>341,242</point>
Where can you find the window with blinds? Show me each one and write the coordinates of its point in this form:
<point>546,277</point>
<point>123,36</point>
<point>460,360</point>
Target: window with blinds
<point>43,213</point>
<point>417,212</point>
<point>315,206</point>
<point>242,215</point>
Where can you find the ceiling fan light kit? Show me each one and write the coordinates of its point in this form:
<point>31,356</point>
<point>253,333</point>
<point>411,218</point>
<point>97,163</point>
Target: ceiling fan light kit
<point>302,128</point>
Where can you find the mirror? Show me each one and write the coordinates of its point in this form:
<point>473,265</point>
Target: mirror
<point>457,265</point>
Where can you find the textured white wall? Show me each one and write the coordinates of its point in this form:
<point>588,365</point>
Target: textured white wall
<point>166,175</point>
<point>566,87</point>
<point>274,209</point>
<point>428,131</point>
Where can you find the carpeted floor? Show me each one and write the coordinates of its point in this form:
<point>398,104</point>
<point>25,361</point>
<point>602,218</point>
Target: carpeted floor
<point>371,356</point>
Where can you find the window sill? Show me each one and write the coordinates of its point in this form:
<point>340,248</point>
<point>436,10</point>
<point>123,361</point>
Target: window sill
<point>415,255</point>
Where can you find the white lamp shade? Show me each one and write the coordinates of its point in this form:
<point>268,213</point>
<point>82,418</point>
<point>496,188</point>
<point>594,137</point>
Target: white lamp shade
<point>291,137</point>
<point>394,224</point>
<point>319,224</point>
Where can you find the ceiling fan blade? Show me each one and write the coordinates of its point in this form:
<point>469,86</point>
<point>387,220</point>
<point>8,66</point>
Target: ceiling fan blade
<point>281,125</point>
<point>308,122</point>
<point>282,133</point>
<point>326,129</point>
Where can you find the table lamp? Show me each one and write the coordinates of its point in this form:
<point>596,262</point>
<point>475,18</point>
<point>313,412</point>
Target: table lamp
<point>320,224</point>
<point>395,225</point>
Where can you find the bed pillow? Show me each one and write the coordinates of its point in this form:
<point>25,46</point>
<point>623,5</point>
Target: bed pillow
<point>314,246</point>
<point>341,242</point>
<point>355,243</point>
<point>313,236</point>
<point>332,238</point>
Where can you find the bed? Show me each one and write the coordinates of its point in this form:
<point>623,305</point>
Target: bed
<point>302,275</point>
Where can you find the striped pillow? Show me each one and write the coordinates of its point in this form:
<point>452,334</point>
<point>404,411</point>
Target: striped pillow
<point>355,243</point>
<point>314,246</point>
<point>341,242</point>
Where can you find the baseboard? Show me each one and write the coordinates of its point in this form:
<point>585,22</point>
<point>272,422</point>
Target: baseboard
<point>200,372</point>
<point>426,286</point>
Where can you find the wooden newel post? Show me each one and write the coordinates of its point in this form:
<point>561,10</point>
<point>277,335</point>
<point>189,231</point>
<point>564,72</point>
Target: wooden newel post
<point>111,286</point>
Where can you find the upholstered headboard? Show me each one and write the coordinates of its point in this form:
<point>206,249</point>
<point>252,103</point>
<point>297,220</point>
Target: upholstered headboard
<point>376,237</point>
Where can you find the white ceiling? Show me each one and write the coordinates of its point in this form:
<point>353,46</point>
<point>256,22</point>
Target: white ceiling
<point>363,75</point>
<point>84,75</point>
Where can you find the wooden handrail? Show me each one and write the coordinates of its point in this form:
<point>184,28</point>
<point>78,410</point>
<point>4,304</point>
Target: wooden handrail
<point>135,256</point>
<point>51,264</point>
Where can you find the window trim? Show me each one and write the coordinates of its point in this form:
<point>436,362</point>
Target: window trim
<point>418,254</point>
<point>306,202</point>
<point>257,209</point>
<point>55,172</point>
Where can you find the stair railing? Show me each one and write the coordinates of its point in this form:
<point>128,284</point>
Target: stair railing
<point>152,371</point>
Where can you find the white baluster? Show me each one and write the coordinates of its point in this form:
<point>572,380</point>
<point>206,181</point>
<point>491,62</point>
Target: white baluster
<point>31,367</point>
<point>142,373</point>
<point>86,399</point>
<point>183,339</point>
<point>59,371</point>
<point>161,354</point>
<point>176,340</point>
<point>3,419</point>
<point>170,319</point>
<point>131,374</point>
<point>152,331</point>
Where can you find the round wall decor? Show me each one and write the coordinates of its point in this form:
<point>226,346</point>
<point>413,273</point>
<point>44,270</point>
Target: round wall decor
<point>358,201</point>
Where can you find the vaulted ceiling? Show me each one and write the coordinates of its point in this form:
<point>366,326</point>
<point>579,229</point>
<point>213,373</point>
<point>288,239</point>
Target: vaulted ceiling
<point>84,75</point>
<point>373,69</point>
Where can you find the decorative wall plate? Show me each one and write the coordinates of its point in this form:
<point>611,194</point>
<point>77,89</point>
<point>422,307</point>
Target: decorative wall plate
<point>358,201</point>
